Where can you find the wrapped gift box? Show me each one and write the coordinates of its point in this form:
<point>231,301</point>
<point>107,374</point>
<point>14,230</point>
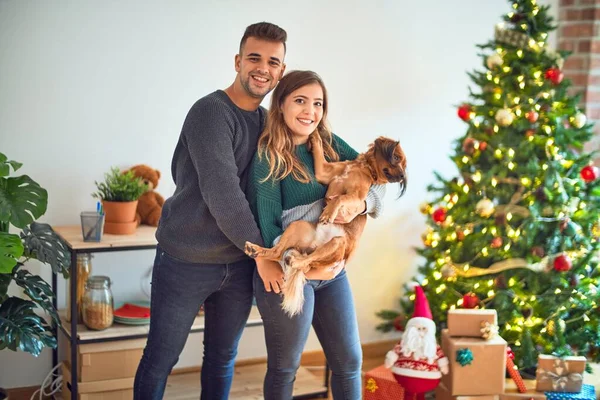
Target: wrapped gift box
<point>442,393</point>
<point>468,323</point>
<point>485,374</point>
<point>380,384</point>
<point>587,393</point>
<point>511,392</point>
<point>560,374</point>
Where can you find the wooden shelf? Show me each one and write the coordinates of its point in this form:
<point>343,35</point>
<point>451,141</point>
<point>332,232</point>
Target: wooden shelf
<point>144,236</point>
<point>120,332</point>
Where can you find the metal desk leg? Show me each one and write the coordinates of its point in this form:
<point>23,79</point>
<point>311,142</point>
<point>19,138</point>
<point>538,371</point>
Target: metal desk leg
<point>54,326</point>
<point>74,317</point>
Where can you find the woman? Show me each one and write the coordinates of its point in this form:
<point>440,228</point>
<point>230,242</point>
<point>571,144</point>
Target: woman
<point>283,189</point>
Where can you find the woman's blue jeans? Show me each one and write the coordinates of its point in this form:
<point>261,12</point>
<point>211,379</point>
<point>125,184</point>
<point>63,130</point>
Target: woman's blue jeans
<point>329,307</point>
<point>178,290</point>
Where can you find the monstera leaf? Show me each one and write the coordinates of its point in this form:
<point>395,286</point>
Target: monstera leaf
<point>38,290</point>
<point>5,165</point>
<point>22,329</point>
<point>42,243</point>
<point>11,249</point>
<point>22,200</point>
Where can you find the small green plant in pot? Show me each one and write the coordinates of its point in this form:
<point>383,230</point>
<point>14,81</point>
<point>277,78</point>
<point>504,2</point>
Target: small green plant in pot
<point>22,202</point>
<point>119,193</point>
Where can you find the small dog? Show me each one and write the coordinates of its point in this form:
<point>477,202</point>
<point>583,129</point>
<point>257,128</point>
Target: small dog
<point>307,245</point>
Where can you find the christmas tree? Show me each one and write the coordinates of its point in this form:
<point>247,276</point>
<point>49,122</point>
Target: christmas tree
<point>517,229</point>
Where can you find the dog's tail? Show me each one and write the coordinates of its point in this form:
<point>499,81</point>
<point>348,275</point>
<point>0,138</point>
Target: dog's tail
<point>293,291</point>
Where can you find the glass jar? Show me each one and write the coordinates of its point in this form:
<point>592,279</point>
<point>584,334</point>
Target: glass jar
<point>84,270</point>
<point>98,307</point>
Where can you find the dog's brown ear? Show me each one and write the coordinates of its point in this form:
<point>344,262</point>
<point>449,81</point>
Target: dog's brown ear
<point>385,147</point>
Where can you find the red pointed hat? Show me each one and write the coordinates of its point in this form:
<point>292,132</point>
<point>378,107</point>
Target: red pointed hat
<point>422,313</point>
<point>421,304</point>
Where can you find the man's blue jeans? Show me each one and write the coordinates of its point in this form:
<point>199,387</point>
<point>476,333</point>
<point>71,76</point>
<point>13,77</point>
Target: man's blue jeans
<point>178,290</point>
<point>329,307</point>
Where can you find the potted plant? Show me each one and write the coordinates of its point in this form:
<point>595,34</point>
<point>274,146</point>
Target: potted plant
<point>22,202</point>
<point>119,193</point>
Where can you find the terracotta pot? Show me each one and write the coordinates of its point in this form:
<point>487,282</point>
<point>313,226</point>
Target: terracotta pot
<point>119,211</point>
<point>120,228</point>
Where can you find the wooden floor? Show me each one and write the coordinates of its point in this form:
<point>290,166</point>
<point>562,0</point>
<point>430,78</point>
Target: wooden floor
<point>248,380</point>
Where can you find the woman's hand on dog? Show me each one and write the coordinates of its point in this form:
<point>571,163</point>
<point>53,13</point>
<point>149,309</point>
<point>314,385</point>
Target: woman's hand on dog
<point>271,274</point>
<point>326,274</point>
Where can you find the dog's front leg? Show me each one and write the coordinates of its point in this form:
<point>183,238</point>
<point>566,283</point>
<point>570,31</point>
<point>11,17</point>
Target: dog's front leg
<point>323,170</point>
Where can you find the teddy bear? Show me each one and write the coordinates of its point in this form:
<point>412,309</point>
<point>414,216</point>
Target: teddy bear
<point>150,203</point>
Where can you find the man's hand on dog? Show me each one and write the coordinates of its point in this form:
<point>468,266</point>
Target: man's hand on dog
<point>326,274</point>
<point>350,210</point>
<point>271,274</point>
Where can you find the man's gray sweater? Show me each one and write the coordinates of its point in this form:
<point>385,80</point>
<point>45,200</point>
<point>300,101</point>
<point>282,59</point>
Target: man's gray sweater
<point>208,219</point>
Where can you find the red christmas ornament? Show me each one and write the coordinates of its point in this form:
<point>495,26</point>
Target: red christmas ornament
<point>496,242</point>
<point>399,322</point>
<point>554,75</point>
<point>482,146</point>
<point>439,215</point>
<point>532,116</point>
<point>529,132</point>
<point>589,173</point>
<point>470,300</point>
<point>562,263</point>
<point>464,112</point>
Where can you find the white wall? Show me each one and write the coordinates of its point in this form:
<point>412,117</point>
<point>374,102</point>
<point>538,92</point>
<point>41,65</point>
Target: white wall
<point>86,85</point>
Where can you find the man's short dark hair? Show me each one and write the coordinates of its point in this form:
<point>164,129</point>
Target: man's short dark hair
<point>264,31</point>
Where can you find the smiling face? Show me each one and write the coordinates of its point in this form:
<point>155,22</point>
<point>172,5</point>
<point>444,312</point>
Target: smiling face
<point>260,66</point>
<point>303,111</point>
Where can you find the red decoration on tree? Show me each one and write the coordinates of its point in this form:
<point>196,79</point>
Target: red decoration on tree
<point>439,215</point>
<point>482,146</point>
<point>532,116</point>
<point>529,132</point>
<point>464,112</point>
<point>399,323</point>
<point>496,242</point>
<point>470,300</point>
<point>589,173</point>
<point>554,75</point>
<point>513,371</point>
<point>562,263</point>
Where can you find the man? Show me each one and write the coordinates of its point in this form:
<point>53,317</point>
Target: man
<point>204,225</point>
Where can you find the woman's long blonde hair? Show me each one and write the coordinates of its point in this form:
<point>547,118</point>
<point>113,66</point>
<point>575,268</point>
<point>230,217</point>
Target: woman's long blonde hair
<point>276,141</point>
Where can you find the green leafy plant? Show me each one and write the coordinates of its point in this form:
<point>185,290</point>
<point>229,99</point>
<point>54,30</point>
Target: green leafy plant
<point>22,201</point>
<point>120,186</point>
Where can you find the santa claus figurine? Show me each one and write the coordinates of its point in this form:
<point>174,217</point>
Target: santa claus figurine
<point>417,362</point>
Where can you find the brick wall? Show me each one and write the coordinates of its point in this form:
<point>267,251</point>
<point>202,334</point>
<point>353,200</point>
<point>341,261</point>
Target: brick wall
<point>579,32</point>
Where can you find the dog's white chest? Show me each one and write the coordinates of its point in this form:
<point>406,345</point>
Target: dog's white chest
<point>327,232</point>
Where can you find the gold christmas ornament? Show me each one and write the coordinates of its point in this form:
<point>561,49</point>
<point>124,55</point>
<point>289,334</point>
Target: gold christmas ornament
<point>448,271</point>
<point>579,120</point>
<point>494,60</point>
<point>550,327</point>
<point>484,207</point>
<point>425,208</point>
<point>504,117</point>
<point>426,238</point>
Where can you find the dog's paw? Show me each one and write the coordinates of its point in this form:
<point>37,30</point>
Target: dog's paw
<point>293,259</point>
<point>251,250</point>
